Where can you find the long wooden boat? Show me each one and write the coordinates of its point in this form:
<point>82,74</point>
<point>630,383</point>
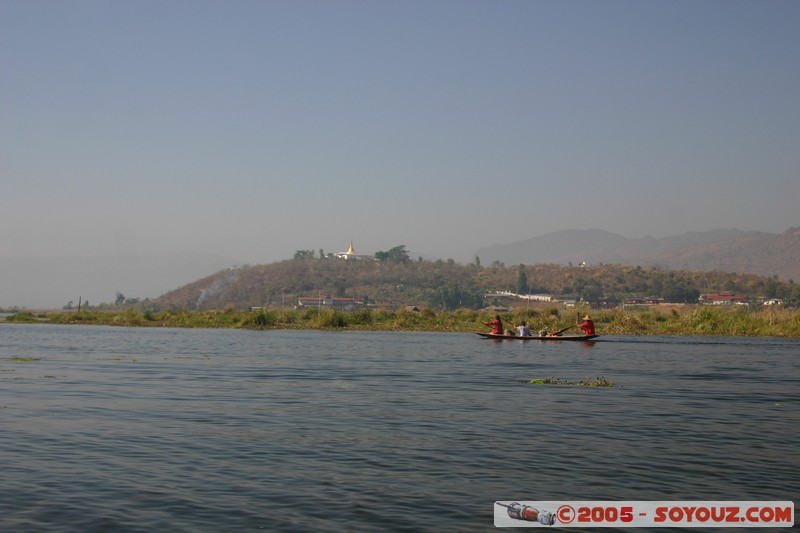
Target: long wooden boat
<point>537,337</point>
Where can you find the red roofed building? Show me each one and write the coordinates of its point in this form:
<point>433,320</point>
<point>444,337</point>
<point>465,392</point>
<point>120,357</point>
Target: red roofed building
<point>723,298</point>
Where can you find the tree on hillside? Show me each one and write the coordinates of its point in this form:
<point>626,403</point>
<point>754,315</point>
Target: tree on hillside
<point>588,289</point>
<point>522,281</point>
<point>398,254</point>
<point>304,254</point>
<point>454,297</point>
<point>679,291</point>
<point>339,288</point>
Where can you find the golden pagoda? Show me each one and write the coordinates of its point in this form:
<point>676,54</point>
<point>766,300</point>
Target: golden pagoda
<point>350,254</point>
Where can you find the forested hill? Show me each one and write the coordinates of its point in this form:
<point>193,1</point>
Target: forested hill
<point>449,285</point>
<point>727,250</point>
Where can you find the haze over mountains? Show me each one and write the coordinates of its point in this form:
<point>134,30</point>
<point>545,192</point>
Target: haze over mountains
<point>726,250</point>
<point>53,282</point>
<point>39,282</point>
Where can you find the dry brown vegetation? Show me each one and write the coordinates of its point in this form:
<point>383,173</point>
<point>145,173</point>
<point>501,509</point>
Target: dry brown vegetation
<point>449,285</point>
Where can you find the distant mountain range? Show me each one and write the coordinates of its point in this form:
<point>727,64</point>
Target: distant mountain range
<point>48,282</point>
<point>726,250</point>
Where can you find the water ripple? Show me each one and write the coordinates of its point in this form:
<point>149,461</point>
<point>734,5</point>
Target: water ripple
<point>207,430</point>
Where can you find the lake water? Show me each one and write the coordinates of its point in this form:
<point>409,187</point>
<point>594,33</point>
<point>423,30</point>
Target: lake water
<point>118,429</point>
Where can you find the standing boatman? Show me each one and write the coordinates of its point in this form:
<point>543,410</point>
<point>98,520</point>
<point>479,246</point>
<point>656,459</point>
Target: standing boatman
<point>587,326</point>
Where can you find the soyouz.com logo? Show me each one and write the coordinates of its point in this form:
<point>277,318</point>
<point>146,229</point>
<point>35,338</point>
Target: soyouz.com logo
<point>644,513</point>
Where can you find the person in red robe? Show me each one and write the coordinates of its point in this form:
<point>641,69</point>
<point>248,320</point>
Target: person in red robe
<point>587,326</point>
<point>497,325</point>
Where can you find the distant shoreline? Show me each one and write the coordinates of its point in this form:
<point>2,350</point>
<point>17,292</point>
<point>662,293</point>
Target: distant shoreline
<point>735,321</point>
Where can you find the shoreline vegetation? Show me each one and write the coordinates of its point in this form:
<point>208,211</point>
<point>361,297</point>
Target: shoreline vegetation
<point>695,320</point>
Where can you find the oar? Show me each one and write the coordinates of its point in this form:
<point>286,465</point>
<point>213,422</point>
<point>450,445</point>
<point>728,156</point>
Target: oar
<point>559,332</point>
<point>501,320</point>
<point>514,326</point>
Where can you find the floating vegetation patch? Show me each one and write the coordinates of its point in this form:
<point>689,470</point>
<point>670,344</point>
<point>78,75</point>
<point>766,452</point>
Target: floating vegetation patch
<point>599,381</point>
<point>24,359</point>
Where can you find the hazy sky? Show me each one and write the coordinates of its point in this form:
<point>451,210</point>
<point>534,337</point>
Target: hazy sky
<point>253,129</point>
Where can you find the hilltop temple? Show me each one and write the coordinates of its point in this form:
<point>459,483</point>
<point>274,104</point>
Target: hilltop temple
<point>351,254</point>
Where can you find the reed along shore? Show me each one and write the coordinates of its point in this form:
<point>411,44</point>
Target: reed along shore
<point>772,321</point>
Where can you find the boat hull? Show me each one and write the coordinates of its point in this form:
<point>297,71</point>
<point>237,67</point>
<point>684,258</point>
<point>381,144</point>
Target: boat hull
<point>501,336</point>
